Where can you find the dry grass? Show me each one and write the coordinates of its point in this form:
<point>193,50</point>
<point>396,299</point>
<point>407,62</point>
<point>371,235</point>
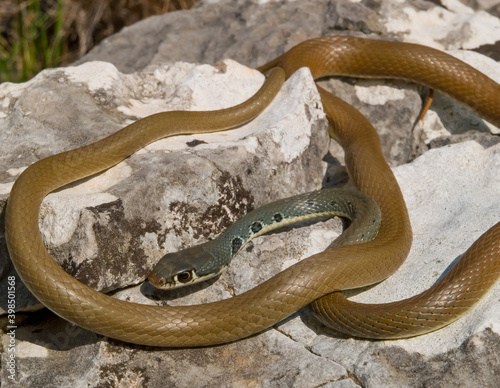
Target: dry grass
<point>36,34</point>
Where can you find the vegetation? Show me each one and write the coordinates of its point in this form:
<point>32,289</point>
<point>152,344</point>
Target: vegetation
<point>37,34</point>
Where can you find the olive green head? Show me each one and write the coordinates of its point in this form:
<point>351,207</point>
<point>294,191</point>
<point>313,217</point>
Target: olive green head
<point>179,269</point>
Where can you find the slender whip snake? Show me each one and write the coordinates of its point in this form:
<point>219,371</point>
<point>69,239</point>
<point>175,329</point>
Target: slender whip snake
<point>338,268</point>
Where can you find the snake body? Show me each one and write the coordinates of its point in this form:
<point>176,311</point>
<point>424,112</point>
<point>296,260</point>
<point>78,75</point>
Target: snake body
<point>207,260</point>
<point>319,277</point>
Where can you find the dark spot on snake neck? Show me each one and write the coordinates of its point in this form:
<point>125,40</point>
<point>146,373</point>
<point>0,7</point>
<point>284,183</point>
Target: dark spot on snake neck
<point>195,143</point>
<point>256,227</point>
<point>310,202</point>
<point>278,217</point>
<point>236,245</point>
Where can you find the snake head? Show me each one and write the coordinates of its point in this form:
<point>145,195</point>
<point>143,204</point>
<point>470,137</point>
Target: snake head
<point>179,269</point>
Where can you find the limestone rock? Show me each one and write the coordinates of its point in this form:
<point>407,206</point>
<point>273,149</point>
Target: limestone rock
<point>157,200</point>
<point>253,33</point>
<point>110,230</point>
<point>451,196</point>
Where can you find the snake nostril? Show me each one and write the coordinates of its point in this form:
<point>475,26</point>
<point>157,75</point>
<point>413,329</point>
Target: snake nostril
<point>156,280</point>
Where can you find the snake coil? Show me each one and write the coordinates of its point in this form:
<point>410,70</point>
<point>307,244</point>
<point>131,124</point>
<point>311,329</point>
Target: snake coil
<point>315,280</point>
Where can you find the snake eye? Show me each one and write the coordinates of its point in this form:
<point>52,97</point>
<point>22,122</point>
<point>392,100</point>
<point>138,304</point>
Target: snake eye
<point>185,276</point>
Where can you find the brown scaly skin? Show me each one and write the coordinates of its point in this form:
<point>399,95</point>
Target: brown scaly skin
<point>338,268</point>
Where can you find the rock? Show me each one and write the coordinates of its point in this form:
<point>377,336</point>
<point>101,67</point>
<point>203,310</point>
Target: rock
<point>449,212</point>
<point>254,33</point>
<point>110,230</point>
<point>144,207</point>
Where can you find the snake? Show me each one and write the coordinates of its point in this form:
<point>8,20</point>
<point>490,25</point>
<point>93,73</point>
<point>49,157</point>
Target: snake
<point>317,280</point>
<point>207,260</point>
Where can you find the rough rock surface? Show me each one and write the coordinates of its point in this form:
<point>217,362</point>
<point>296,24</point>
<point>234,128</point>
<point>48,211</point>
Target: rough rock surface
<point>255,32</point>
<point>155,201</point>
<point>111,229</point>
